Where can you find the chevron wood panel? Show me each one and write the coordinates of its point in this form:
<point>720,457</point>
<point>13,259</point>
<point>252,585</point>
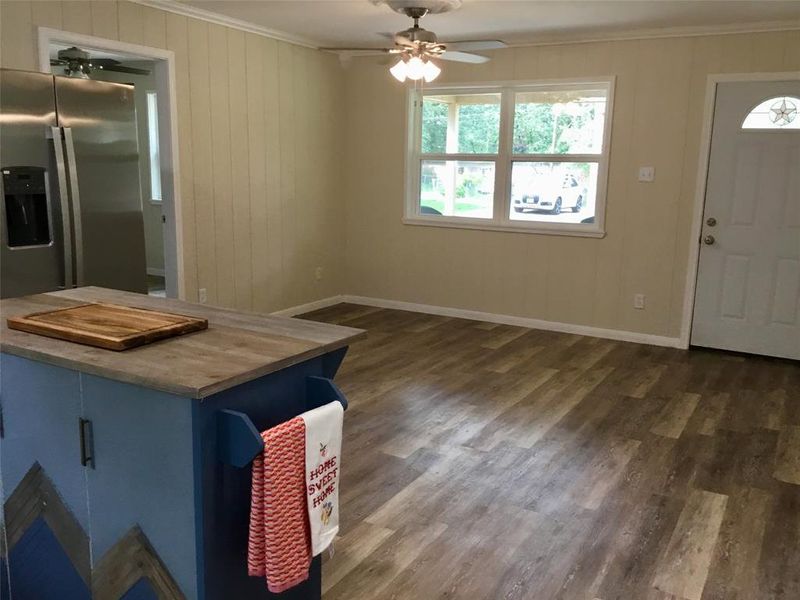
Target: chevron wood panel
<point>131,569</point>
<point>36,497</point>
<point>484,461</point>
<point>126,563</point>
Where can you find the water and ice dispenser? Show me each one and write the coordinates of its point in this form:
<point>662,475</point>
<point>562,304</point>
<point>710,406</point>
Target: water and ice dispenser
<point>26,206</point>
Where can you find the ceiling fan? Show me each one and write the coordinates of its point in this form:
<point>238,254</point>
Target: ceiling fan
<point>417,47</point>
<point>79,63</point>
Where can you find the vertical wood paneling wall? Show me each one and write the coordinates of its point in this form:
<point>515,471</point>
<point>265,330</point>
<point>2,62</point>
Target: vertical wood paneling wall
<point>260,127</point>
<point>658,112</point>
<point>289,163</point>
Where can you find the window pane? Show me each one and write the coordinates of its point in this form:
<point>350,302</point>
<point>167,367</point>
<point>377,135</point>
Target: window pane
<point>775,113</point>
<point>152,142</point>
<point>466,124</point>
<point>457,188</point>
<point>555,192</point>
<point>559,122</point>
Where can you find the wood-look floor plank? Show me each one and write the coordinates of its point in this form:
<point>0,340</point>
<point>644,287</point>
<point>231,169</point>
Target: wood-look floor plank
<point>684,568</point>
<point>382,566</point>
<point>604,472</point>
<point>484,461</point>
<point>787,461</point>
<point>734,570</point>
<point>353,548</point>
<point>710,410</point>
<point>675,415</point>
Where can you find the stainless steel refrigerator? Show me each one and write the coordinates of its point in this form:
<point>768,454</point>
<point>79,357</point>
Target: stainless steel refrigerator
<point>71,213</point>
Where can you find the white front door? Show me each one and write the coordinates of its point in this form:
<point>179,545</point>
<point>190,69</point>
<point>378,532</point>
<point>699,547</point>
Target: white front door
<point>748,280</point>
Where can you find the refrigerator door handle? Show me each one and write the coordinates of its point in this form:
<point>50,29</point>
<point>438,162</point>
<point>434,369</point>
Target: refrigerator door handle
<point>58,146</point>
<point>76,205</point>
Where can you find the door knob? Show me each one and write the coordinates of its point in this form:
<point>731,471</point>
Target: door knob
<point>708,240</point>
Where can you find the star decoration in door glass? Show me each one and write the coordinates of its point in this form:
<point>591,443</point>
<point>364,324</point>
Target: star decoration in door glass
<point>782,112</point>
<point>778,112</point>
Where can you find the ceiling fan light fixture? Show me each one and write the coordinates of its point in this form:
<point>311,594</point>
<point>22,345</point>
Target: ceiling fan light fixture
<point>415,68</point>
<point>431,71</point>
<point>400,70</point>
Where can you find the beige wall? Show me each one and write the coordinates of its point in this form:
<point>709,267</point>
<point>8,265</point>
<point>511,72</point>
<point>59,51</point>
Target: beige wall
<point>275,143</point>
<point>657,120</point>
<point>260,129</point>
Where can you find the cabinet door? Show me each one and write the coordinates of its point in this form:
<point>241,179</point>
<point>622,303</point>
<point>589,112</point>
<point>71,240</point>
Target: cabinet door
<point>45,500</point>
<point>141,490</point>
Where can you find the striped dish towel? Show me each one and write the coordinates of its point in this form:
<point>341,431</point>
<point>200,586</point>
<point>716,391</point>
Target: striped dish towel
<point>279,544</point>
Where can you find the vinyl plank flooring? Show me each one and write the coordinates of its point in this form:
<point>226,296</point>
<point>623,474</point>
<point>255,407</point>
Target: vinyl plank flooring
<point>675,415</point>
<point>483,461</point>
<point>376,573</point>
<point>787,461</point>
<point>353,548</point>
<point>684,568</point>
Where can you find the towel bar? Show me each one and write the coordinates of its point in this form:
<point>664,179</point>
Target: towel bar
<point>321,390</point>
<point>238,440</point>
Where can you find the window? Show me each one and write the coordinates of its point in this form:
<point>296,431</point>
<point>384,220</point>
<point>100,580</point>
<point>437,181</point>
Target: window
<point>152,144</point>
<point>524,157</point>
<point>775,113</point>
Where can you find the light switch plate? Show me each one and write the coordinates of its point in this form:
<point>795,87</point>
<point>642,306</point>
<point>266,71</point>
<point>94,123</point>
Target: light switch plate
<point>647,174</point>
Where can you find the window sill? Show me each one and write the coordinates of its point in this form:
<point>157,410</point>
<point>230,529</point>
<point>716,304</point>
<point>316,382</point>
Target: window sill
<point>566,229</point>
<point>155,202</point>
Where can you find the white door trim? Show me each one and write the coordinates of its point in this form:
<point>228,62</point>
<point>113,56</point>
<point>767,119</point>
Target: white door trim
<point>166,87</point>
<point>700,188</point>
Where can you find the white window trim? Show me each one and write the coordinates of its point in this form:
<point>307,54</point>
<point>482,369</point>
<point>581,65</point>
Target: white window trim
<point>503,159</point>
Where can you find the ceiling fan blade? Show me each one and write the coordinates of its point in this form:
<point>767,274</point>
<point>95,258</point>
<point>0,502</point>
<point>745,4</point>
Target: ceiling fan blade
<point>123,69</point>
<point>361,50</point>
<point>464,57</point>
<point>104,62</point>
<point>475,45</point>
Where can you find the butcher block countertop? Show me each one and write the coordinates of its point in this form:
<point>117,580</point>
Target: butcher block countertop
<point>237,346</point>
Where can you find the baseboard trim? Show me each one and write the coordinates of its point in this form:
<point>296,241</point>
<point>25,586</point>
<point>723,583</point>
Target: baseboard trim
<point>474,315</point>
<point>308,306</point>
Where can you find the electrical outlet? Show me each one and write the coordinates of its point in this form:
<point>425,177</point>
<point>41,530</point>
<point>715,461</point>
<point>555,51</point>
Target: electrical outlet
<point>638,301</point>
<point>202,295</point>
<point>647,174</point>
<point>318,273</point>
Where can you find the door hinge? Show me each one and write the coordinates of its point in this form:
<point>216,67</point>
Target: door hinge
<point>87,442</point>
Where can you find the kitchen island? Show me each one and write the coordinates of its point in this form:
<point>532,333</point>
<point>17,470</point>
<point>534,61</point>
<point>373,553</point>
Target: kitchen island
<point>126,474</point>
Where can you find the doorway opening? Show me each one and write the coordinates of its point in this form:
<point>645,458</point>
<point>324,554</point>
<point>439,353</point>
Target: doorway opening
<point>151,73</point>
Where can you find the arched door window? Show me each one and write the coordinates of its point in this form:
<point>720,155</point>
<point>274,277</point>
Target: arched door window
<point>775,113</point>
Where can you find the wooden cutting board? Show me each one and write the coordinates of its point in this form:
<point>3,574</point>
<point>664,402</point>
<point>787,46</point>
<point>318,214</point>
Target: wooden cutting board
<point>107,326</point>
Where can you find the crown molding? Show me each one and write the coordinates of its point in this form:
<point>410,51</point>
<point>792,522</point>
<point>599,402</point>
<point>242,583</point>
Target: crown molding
<point>663,32</point>
<point>553,39</point>
<point>186,10</point>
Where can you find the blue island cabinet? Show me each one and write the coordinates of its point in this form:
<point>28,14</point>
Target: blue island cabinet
<point>126,475</point>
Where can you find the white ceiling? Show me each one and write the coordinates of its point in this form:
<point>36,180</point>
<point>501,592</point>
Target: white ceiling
<point>360,22</point>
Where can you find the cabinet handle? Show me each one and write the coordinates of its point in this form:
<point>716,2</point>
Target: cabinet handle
<point>85,433</point>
